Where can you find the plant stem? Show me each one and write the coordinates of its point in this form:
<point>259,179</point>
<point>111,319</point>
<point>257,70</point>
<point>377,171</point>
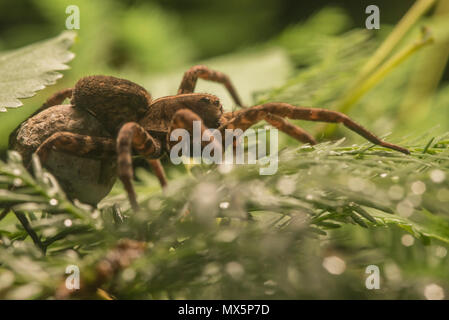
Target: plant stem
<point>418,9</point>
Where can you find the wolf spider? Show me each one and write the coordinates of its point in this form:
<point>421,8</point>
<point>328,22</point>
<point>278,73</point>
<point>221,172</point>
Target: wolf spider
<point>110,117</point>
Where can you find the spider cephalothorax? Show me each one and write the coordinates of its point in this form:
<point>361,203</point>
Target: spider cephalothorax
<point>108,118</point>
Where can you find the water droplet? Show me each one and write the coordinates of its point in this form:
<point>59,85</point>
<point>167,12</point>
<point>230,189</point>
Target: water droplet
<point>293,276</point>
<point>418,187</point>
<point>334,265</point>
<point>356,184</point>
<point>211,269</point>
<point>6,279</point>
<point>407,240</point>
<point>395,178</point>
<point>414,199</point>
<point>224,205</point>
<point>396,192</point>
<point>433,292</point>
<point>437,176</point>
<point>53,202</point>
<point>440,251</point>
<point>383,175</point>
<point>68,222</point>
<point>17,172</point>
<point>128,274</point>
<point>226,236</point>
<point>17,182</point>
<point>309,197</point>
<point>286,185</point>
<point>270,284</point>
<point>392,272</point>
<point>235,269</point>
<point>405,208</point>
<point>443,195</point>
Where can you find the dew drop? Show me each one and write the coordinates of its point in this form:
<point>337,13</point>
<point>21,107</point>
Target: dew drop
<point>53,202</point>
<point>396,192</point>
<point>334,265</point>
<point>383,175</point>
<point>68,222</point>
<point>443,195</point>
<point>437,176</point>
<point>226,236</point>
<point>356,184</point>
<point>405,208</point>
<point>433,292</point>
<point>235,269</point>
<point>418,187</point>
<point>440,251</point>
<point>414,199</point>
<point>224,205</point>
<point>392,272</point>
<point>407,240</point>
<point>17,172</point>
<point>286,185</point>
<point>128,274</point>
<point>17,182</point>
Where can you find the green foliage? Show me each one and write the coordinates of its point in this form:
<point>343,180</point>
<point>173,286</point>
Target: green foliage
<point>309,231</point>
<point>230,233</point>
<point>27,70</point>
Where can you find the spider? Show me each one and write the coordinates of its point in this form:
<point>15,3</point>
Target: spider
<point>109,118</point>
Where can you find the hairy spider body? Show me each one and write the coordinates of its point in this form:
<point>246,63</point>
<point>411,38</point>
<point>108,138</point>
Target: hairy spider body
<point>88,179</point>
<point>109,117</point>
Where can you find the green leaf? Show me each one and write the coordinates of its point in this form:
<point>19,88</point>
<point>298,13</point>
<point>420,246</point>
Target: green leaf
<point>29,69</point>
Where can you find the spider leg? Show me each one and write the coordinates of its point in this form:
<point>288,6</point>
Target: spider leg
<point>279,123</point>
<point>248,117</point>
<point>132,135</point>
<point>78,145</point>
<point>158,170</point>
<point>191,76</point>
<point>184,119</point>
<point>290,129</point>
<point>55,99</point>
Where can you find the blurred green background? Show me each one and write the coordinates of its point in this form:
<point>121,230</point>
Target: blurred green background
<point>305,53</point>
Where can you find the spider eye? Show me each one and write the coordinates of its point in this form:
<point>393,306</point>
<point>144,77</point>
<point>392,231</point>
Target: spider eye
<point>205,100</point>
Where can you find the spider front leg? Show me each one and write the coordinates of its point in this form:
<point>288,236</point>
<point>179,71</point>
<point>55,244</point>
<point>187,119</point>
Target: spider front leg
<point>185,119</point>
<point>191,76</point>
<point>55,99</point>
<point>134,136</point>
<point>248,117</point>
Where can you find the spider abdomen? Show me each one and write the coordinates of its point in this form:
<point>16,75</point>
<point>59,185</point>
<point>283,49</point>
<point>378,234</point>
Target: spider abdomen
<point>88,180</point>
